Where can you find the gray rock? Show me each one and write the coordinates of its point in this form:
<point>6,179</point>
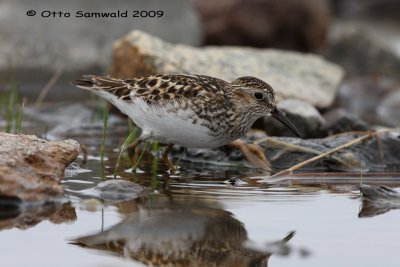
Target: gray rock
<point>361,96</point>
<point>389,109</point>
<point>118,190</point>
<point>293,75</point>
<point>63,120</point>
<point>370,155</point>
<point>36,46</point>
<point>374,10</point>
<point>284,152</point>
<point>31,168</point>
<point>340,120</point>
<point>303,115</point>
<point>362,48</point>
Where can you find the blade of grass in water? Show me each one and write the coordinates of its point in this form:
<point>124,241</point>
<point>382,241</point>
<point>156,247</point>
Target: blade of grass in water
<point>131,126</point>
<point>17,116</point>
<point>155,147</point>
<point>127,141</point>
<point>104,133</point>
<point>140,157</point>
<point>12,107</point>
<point>154,168</point>
<point>8,111</point>
<point>97,108</point>
<point>18,122</point>
<point>5,95</point>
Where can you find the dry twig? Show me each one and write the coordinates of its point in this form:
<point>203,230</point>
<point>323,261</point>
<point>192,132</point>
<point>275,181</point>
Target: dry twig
<point>308,161</point>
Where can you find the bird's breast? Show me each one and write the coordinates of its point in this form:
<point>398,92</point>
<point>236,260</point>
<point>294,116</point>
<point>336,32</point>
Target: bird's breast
<point>171,124</point>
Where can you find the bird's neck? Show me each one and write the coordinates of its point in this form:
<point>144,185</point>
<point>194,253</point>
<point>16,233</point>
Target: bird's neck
<point>242,124</point>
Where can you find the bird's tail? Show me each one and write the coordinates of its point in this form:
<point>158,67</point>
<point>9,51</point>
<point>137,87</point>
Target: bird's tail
<point>104,86</point>
<point>97,83</point>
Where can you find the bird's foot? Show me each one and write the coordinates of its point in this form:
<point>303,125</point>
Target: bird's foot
<point>171,167</point>
<point>253,153</point>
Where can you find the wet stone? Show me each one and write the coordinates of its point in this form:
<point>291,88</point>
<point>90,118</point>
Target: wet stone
<point>376,154</point>
<point>377,200</point>
<point>31,168</point>
<point>379,153</point>
<point>118,190</point>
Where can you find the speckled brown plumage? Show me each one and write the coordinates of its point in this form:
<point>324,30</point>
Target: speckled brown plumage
<point>202,111</point>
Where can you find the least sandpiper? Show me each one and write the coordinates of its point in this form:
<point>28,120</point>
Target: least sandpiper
<point>190,110</point>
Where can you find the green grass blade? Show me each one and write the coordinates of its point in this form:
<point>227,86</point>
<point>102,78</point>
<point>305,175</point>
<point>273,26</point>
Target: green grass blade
<point>141,156</point>
<point>155,147</point>
<point>127,141</point>
<point>104,133</point>
<point>8,111</point>
<point>17,106</point>
<point>18,122</point>
<point>131,125</point>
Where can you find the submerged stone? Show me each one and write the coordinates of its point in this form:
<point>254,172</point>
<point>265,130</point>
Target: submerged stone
<point>118,190</point>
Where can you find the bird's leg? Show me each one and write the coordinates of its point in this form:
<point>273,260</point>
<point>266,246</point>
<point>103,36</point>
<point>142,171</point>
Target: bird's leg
<point>132,148</point>
<point>133,156</point>
<point>165,158</point>
<point>253,153</point>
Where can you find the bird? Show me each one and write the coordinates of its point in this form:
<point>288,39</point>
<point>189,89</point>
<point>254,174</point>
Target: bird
<point>190,110</point>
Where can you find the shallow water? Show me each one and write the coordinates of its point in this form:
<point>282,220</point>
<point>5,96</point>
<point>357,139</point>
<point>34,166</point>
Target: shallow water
<point>200,213</point>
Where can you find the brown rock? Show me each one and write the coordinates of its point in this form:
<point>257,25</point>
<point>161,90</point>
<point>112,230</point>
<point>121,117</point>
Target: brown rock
<point>293,75</point>
<point>300,25</point>
<point>31,168</point>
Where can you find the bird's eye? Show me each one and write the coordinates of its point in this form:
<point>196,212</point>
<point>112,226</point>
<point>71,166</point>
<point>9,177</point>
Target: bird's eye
<point>259,95</point>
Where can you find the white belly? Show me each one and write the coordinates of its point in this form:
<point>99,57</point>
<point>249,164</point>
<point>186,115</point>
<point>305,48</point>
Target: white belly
<point>168,127</point>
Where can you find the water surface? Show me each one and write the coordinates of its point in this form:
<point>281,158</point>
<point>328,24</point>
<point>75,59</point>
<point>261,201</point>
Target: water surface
<point>205,214</point>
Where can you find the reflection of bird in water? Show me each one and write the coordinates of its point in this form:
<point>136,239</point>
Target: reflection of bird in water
<point>188,234</point>
<point>191,110</point>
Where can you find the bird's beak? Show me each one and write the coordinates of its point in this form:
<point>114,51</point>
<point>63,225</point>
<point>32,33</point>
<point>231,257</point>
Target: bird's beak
<point>277,114</point>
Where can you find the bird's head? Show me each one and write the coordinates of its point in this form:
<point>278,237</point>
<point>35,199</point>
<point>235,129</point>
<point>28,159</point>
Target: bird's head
<point>258,98</point>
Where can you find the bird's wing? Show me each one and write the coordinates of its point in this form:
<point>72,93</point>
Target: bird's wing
<point>157,89</point>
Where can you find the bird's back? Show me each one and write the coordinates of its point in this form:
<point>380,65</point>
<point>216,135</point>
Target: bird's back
<point>179,109</point>
<point>157,88</point>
